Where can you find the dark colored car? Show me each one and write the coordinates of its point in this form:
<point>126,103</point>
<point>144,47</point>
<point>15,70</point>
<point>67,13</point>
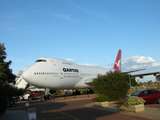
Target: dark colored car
<point>12,101</point>
<point>149,95</point>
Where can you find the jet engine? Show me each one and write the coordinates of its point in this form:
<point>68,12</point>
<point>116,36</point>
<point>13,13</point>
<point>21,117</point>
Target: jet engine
<point>158,77</point>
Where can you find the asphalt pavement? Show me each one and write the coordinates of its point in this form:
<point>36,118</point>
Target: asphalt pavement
<point>76,108</point>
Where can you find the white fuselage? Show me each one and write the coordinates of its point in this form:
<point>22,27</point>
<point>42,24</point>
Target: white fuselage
<point>61,74</point>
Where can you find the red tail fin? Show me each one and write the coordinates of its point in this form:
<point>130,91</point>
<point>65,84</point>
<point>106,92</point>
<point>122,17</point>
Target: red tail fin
<point>117,63</point>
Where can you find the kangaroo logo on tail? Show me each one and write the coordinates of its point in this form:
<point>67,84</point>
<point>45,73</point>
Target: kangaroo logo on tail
<point>117,63</point>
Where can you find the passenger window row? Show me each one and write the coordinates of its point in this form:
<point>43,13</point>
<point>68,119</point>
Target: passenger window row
<point>45,73</point>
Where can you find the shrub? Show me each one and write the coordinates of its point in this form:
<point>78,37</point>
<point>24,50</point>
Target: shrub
<point>101,98</point>
<point>130,102</point>
<point>113,85</point>
<point>9,90</point>
<point>133,100</point>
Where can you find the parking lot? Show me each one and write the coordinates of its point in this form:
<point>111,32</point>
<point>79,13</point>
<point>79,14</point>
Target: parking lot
<point>77,108</point>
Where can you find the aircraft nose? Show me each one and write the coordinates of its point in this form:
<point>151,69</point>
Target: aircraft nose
<point>27,75</point>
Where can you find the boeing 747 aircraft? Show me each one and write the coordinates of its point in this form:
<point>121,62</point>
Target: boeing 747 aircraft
<point>62,74</point>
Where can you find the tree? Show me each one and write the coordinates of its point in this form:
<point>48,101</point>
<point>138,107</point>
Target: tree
<point>6,75</point>
<point>132,81</point>
<point>112,85</point>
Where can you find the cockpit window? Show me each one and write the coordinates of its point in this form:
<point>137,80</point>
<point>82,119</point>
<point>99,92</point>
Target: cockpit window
<point>41,60</point>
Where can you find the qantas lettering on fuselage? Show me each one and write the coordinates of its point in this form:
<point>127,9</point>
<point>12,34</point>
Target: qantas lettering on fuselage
<point>70,70</point>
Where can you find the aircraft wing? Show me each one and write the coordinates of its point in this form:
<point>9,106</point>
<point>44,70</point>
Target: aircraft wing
<point>87,81</point>
<point>145,74</point>
<point>155,71</point>
<point>131,71</point>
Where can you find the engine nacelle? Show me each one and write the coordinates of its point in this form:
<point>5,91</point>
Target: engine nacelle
<point>158,77</point>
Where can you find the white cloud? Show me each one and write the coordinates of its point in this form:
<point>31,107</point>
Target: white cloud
<point>136,62</point>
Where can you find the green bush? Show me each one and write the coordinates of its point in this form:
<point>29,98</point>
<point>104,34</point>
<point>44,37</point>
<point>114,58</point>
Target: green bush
<point>9,90</point>
<point>101,98</point>
<point>133,100</point>
<point>113,85</point>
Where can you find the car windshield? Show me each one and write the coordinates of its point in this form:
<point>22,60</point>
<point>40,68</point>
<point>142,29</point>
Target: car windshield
<point>136,93</point>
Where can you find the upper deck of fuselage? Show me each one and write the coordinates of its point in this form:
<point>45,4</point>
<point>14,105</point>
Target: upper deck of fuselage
<point>63,62</point>
<point>54,60</point>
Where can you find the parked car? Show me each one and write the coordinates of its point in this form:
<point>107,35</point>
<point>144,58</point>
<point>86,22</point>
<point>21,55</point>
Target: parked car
<point>149,95</point>
<point>12,100</point>
<point>36,95</point>
<point>26,96</point>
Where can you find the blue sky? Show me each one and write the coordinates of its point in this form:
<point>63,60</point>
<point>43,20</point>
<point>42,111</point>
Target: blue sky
<point>87,31</point>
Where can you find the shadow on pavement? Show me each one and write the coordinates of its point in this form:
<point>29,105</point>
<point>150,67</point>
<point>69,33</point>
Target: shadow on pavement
<point>20,112</point>
<point>77,114</point>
